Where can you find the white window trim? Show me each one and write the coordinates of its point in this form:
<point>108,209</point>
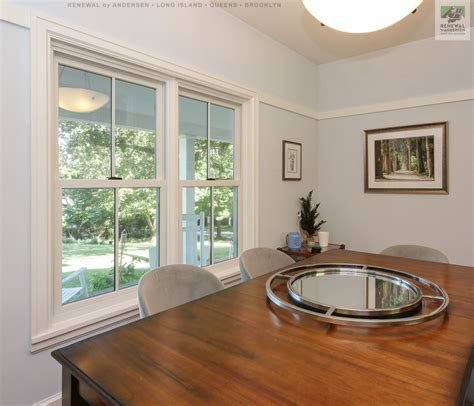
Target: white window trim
<point>77,310</point>
<point>231,263</point>
<point>46,329</point>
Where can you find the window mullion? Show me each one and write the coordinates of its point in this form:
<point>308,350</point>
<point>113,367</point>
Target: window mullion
<point>208,169</point>
<point>211,227</point>
<point>116,240</point>
<point>205,183</point>
<point>116,192</point>
<point>106,183</point>
<point>112,129</point>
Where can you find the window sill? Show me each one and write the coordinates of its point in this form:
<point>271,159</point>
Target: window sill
<point>81,327</point>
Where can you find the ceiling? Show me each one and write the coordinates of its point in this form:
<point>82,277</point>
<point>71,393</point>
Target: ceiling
<point>294,27</point>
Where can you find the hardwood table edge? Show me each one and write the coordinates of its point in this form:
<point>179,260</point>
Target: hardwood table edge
<point>466,379</point>
<point>79,374</point>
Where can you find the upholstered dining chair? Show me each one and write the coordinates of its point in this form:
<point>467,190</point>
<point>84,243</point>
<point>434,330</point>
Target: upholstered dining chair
<point>174,285</point>
<point>416,252</point>
<point>259,261</point>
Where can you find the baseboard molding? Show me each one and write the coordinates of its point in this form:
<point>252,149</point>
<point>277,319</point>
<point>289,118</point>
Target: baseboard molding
<point>54,400</point>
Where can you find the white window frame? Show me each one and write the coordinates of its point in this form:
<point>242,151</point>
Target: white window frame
<point>49,324</point>
<point>231,263</point>
<point>63,313</point>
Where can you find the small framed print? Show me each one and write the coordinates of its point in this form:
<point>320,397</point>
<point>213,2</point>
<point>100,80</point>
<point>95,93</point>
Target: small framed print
<point>292,160</point>
<point>410,159</point>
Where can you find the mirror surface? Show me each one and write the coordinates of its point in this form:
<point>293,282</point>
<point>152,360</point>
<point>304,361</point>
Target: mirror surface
<point>358,291</point>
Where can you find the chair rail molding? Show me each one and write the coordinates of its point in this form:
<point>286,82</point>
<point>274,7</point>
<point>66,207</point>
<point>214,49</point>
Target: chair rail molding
<point>408,103</point>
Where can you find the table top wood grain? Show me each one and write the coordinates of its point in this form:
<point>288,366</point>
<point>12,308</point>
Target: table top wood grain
<point>235,347</point>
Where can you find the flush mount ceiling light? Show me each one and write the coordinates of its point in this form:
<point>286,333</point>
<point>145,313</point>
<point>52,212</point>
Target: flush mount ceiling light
<point>358,16</point>
<point>81,100</point>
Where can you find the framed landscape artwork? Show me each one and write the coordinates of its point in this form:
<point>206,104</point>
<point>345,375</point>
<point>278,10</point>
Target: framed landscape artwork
<point>411,159</point>
<point>291,160</point>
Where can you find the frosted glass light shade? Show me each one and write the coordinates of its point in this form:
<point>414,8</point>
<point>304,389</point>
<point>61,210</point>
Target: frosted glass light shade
<point>358,16</point>
<point>81,100</point>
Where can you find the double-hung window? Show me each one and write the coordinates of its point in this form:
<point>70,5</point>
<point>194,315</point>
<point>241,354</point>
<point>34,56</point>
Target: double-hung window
<point>209,135</point>
<point>136,164</point>
<point>108,180</point>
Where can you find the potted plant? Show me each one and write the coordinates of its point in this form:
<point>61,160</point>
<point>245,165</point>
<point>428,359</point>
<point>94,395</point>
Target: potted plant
<point>309,219</point>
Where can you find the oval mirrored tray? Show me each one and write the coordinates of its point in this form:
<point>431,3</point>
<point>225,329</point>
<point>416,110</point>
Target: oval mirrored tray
<point>357,295</point>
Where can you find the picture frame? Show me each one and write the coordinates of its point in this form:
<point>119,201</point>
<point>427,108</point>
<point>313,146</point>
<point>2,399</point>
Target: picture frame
<point>292,160</point>
<point>407,159</point>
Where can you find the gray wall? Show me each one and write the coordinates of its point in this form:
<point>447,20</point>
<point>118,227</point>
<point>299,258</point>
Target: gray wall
<point>421,68</point>
<point>277,196</point>
<point>212,43</point>
<point>371,222</point>
<point>25,378</point>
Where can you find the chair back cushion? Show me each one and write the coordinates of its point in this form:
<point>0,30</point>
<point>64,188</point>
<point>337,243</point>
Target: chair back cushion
<point>259,261</point>
<point>416,252</point>
<point>174,285</point>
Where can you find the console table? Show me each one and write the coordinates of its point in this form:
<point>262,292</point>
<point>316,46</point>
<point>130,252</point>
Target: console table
<point>303,253</point>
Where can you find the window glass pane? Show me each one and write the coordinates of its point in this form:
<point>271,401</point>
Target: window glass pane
<point>225,223</point>
<point>138,249</point>
<point>135,124</point>
<point>196,225</point>
<point>192,139</point>
<point>84,124</point>
<point>87,243</point>
<point>222,143</point>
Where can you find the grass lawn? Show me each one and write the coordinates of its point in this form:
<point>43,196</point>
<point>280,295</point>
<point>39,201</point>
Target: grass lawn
<point>99,261</point>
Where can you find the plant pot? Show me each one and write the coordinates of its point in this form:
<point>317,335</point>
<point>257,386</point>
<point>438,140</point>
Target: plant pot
<point>309,240</point>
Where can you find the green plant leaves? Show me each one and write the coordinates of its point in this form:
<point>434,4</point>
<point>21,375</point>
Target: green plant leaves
<point>309,215</point>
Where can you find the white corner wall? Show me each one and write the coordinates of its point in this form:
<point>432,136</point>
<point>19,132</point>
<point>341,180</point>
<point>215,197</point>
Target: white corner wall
<point>371,222</point>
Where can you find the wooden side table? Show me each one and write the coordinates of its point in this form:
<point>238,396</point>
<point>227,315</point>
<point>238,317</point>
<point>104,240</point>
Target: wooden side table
<point>303,253</point>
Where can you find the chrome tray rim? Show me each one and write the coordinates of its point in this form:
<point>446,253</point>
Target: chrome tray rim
<point>330,270</point>
<point>439,296</point>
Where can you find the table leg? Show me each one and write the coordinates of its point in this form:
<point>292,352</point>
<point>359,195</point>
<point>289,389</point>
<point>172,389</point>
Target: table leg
<point>70,391</point>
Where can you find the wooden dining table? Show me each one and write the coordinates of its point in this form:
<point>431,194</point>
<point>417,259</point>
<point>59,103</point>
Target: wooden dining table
<point>236,347</point>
